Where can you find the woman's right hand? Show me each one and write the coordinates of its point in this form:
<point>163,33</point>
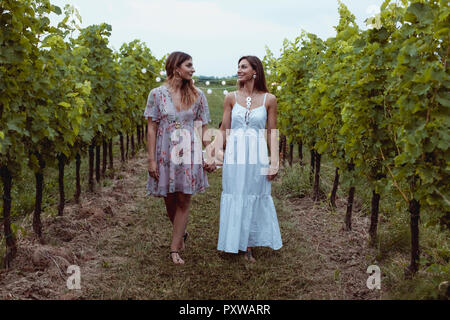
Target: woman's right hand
<point>153,169</point>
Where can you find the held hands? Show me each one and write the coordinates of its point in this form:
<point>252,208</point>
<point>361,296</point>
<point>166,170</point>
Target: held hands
<point>210,160</point>
<point>209,165</point>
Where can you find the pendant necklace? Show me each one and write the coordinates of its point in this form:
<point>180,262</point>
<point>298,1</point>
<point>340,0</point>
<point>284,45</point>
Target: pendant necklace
<point>247,113</point>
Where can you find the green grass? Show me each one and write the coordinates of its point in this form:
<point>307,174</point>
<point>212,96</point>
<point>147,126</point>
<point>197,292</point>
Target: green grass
<point>208,274</point>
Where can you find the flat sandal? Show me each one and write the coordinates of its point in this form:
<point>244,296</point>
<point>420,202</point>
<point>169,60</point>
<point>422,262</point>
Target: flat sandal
<point>170,256</point>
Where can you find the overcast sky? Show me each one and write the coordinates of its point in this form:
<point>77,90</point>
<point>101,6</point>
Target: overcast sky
<point>216,33</point>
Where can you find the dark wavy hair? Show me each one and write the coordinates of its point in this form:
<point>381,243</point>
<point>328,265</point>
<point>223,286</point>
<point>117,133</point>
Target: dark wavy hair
<point>189,92</point>
<point>260,81</point>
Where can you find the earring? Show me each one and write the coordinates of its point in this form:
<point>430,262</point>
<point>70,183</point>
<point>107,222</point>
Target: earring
<point>254,76</point>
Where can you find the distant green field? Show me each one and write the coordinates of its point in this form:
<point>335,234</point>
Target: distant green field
<point>215,101</point>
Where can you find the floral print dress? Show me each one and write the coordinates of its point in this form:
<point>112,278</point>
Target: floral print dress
<point>180,167</point>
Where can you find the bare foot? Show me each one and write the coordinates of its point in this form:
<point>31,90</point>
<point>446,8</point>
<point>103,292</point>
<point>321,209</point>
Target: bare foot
<point>176,257</point>
<point>249,257</point>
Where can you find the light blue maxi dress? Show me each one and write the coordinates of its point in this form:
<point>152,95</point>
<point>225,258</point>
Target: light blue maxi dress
<point>247,212</point>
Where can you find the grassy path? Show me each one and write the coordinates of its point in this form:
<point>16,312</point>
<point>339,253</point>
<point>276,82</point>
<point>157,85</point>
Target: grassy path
<point>138,266</point>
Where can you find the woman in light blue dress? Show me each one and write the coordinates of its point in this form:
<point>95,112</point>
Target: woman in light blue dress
<point>247,212</point>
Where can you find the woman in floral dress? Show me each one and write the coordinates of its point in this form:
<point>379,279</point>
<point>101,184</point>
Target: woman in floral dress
<point>177,114</point>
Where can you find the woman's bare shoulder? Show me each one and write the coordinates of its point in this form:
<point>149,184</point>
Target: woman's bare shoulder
<point>230,97</point>
<point>271,98</point>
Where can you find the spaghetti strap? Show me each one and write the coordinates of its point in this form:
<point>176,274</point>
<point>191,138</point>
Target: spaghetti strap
<point>265,96</point>
<point>235,98</point>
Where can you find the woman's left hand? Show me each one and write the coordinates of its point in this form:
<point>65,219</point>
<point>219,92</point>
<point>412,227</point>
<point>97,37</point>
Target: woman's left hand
<point>273,172</point>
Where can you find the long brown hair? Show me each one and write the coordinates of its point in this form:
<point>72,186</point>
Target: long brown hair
<point>188,91</point>
<point>260,81</point>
